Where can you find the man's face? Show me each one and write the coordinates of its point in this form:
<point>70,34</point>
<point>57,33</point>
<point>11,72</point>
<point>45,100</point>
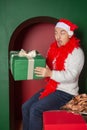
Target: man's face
<point>61,36</point>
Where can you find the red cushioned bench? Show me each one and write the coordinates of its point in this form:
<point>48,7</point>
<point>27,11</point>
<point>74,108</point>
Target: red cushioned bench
<point>63,120</point>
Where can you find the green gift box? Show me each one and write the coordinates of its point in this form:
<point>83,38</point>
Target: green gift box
<point>22,68</point>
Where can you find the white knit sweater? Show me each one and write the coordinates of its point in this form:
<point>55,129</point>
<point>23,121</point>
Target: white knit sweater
<point>69,78</point>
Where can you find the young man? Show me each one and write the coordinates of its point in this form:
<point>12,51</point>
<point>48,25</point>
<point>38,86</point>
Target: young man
<point>65,60</point>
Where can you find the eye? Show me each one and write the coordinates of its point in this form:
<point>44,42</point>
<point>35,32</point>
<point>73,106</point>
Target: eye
<point>63,32</point>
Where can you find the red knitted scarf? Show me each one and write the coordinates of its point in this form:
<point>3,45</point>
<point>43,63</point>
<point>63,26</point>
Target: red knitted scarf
<point>55,60</point>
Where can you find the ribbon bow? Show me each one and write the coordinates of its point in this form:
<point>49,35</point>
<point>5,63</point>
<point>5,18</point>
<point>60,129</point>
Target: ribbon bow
<point>30,54</point>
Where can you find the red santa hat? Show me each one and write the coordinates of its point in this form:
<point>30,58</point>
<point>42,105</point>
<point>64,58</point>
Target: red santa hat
<point>67,25</point>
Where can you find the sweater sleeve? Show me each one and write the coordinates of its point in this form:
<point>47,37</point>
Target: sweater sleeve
<point>73,66</point>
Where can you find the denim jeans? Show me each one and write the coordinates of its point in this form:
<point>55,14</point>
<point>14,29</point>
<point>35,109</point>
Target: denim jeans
<point>32,110</point>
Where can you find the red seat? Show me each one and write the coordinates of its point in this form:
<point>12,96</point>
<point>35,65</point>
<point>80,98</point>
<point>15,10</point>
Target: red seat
<point>62,120</point>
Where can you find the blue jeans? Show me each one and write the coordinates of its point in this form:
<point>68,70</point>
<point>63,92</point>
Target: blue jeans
<point>32,110</point>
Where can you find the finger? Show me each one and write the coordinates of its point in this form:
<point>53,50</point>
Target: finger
<point>38,75</point>
<point>40,72</point>
<point>37,69</point>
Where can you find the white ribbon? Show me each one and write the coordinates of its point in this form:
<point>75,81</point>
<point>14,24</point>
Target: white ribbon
<point>30,54</point>
<point>30,68</point>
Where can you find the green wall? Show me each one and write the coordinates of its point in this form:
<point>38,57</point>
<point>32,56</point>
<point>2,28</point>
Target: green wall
<point>14,12</point>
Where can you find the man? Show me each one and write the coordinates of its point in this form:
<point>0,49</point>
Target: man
<point>65,60</point>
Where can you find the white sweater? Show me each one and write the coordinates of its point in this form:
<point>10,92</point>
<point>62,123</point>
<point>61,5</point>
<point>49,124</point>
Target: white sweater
<point>69,78</point>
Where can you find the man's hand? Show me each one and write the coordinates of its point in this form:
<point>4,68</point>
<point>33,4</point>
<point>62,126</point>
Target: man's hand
<point>43,72</point>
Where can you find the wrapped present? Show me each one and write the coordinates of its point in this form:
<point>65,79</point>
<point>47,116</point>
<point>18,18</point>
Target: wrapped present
<point>22,64</point>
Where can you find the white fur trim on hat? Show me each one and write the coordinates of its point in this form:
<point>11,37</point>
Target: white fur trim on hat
<point>65,27</point>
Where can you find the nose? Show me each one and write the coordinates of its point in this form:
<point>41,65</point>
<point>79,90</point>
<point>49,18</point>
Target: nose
<point>58,37</point>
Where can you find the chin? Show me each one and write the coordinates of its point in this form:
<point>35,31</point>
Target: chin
<point>59,45</point>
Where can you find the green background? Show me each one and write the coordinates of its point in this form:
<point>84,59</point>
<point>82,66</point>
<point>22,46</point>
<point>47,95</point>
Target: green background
<point>13,13</point>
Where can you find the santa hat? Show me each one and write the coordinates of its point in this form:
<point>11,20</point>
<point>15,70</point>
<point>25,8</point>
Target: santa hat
<point>67,25</point>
